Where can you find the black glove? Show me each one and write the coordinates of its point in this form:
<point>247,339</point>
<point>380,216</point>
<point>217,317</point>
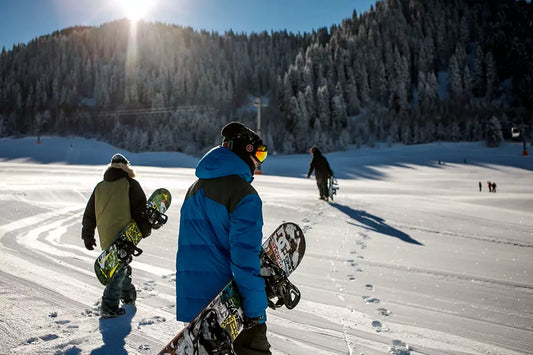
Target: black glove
<point>90,243</point>
<point>251,322</point>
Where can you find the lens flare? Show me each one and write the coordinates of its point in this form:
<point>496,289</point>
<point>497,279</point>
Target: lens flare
<point>135,10</point>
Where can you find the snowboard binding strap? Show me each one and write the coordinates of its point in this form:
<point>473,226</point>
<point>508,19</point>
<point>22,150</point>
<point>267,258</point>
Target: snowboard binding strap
<point>210,335</point>
<point>156,218</point>
<point>281,288</point>
<point>126,250</point>
<point>278,286</point>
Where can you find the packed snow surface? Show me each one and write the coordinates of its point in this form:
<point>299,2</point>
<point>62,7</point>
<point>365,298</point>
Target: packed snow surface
<point>410,258</point>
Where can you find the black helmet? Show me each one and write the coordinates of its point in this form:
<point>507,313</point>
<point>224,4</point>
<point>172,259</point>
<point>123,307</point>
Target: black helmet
<point>244,142</point>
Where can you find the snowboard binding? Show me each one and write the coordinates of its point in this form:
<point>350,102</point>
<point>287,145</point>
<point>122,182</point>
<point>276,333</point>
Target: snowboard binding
<point>279,287</point>
<point>156,218</point>
<point>211,336</point>
<point>126,250</point>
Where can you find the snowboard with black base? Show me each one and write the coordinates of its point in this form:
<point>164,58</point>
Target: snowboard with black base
<point>124,247</point>
<point>215,328</point>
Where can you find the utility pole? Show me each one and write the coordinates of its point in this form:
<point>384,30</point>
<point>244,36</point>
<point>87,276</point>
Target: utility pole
<point>524,151</point>
<point>258,103</point>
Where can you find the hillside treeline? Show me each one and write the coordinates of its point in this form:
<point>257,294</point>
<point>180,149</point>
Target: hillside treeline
<point>409,71</point>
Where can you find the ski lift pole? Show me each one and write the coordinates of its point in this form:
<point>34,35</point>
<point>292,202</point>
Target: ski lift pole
<point>258,103</point>
<point>524,151</point>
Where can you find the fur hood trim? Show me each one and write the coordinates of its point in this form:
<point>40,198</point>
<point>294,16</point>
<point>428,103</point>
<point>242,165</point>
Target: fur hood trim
<point>125,167</point>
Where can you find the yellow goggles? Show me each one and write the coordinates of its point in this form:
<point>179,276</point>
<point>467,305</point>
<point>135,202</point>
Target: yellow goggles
<point>261,153</point>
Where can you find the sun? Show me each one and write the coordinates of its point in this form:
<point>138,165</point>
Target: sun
<point>135,9</point>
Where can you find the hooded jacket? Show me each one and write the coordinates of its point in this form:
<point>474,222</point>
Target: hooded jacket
<point>114,202</point>
<point>220,237</point>
<point>320,165</point>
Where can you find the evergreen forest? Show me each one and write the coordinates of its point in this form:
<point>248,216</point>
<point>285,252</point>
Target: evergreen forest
<point>406,71</point>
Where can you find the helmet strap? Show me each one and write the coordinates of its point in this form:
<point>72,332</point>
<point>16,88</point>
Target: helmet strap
<point>228,144</point>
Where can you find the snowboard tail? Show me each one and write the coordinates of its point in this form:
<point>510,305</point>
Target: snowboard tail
<point>215,328</point>
<point>124,247</point>
<point>333,186</point>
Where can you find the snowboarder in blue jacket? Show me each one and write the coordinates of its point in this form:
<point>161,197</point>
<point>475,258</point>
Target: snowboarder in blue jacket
<point>220,235</point>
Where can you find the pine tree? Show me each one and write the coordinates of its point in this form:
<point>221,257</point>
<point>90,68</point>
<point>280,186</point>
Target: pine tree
<point>491,75</point>
<point>479,76</point>
<point>352,98</point>
<point>455,80</point>
<point>493,132</point>
<point>338,114</point>
<point>323,107</point>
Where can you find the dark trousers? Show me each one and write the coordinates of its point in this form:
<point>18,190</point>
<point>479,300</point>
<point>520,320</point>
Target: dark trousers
<point>252,341</point>
<point>322,183</point>
<point>120,288</point>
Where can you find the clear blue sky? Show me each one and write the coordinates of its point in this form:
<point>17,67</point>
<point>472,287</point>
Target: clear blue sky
<point>24,20</point>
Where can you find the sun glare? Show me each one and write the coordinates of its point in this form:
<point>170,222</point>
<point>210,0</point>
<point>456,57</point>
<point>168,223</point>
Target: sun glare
<point>135,9</point>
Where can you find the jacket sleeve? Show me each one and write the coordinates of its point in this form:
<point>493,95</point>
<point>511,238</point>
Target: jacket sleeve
<point>311,167</point>
<point>138,207</point>
<point>245,245</point>
<point>89,220</point>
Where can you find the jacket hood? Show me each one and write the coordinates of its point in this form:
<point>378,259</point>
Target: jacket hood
<point>315,150</point>
<point>118,171</point>
<point>221,161</point>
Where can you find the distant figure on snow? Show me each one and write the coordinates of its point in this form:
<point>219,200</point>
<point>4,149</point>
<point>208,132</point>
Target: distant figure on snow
<point>489,185</point>
<point>480,186</point>
<point>493,187</point>
<point>323,172</point>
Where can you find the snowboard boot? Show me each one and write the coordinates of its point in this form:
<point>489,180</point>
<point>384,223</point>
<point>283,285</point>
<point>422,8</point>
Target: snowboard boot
<point>108,313</point>
<point>129,297</point>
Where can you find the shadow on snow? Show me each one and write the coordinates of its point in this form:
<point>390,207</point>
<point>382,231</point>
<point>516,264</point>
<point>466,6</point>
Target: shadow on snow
<point>114,332</point>
<point>374,223</point>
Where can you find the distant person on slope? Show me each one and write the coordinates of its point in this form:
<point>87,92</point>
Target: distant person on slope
<point>220,235</point>
<point>323,172</point>
<point>114,202</point>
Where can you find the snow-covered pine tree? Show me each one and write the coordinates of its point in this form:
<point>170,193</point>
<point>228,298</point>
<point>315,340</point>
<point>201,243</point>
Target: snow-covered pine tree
<point>493,132</point>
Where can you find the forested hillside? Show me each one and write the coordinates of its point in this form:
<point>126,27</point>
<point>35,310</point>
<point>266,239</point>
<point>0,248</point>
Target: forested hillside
<point>409,71</point>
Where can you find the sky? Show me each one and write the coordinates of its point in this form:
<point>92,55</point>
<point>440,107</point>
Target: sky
<point>23,20</point>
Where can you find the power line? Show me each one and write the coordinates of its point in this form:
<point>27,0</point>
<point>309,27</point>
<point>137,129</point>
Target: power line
<point>151,111</point>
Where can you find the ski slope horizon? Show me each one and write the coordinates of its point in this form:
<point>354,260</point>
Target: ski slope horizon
<point>82,151</point>
<point>411,258</point>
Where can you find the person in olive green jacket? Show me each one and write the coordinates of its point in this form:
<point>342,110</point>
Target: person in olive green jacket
<point>114,202</point>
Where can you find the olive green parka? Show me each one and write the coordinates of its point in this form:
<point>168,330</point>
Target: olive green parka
<point>115,201</point>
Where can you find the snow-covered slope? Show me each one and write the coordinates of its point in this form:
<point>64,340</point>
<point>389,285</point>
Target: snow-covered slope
<point>410,258</point>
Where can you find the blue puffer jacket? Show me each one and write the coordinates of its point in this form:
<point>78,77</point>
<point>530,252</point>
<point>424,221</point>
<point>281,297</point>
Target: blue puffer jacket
<point>220,237</point>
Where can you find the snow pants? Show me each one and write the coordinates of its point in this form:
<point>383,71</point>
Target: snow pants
<point>252,341</point>
<point>322,183</point>
<point>120,288</point>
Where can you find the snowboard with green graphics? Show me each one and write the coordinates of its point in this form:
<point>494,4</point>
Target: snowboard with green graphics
<point>215,328</point>
<point>121,251</point>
